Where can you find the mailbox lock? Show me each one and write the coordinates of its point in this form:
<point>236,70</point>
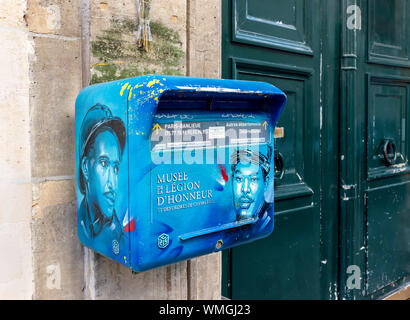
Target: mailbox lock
<point>219,244</point>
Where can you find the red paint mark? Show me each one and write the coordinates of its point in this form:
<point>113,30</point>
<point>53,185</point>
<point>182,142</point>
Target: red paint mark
<point>130,227</point>
<point>223,172</point>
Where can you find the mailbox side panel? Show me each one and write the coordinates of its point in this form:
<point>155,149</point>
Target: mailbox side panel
<point>102,171</point>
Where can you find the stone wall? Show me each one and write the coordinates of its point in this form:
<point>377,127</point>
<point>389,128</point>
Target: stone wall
<point>55,74</point>
<point>52,48</point>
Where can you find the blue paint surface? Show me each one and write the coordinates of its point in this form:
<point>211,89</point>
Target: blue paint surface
<point>169,168</point>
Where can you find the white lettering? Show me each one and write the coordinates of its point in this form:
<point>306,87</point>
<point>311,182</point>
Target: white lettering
<point>54,277</point>
<point>353,282</point>
<point>354,21</point>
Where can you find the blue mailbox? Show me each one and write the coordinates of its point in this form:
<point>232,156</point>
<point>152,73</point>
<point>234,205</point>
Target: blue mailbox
<point>169,168</point>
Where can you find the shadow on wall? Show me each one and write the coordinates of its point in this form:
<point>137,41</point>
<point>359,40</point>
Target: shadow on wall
<point>120,56</point>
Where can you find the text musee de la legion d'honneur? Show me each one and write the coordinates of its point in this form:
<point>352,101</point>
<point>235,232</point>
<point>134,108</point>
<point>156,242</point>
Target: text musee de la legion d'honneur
<point>175,188</point>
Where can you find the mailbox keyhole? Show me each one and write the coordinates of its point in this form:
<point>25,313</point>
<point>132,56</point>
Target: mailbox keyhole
<point>219,244</point>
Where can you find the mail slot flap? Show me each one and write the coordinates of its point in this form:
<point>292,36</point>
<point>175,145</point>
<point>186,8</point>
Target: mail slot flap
<point>176,93</point>
<point>221,95</point>
<point>172,101</point>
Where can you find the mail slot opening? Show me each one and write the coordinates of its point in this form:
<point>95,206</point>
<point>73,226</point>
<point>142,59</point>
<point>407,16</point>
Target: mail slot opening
<point>195,102</point>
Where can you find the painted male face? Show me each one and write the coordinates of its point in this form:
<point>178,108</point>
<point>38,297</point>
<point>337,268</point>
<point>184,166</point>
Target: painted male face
<point>103,167</point>
<point>248,190</point>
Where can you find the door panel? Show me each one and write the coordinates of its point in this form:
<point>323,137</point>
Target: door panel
<point>388,234</point>
<point>375,147</point>
<point>388,32</point>
<point>342,190</point>
<point>386,187</point>
<point>279,42</point>
<point>280,24</point>
<point>386,122</point>
<point>294,207</point>
<point>271,268</point>
<point>296,121</point>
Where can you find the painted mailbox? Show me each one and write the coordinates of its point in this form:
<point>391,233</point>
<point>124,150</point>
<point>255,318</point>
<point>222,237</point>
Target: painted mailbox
<point>169,168</point>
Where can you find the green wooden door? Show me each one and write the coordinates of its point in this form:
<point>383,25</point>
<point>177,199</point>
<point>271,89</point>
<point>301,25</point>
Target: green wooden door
<point>375,180</point>
<point>293,44</point>
<point>342,193</point>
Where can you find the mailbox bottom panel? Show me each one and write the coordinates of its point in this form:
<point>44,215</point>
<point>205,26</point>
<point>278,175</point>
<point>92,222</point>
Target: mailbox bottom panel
<point>167,249</point>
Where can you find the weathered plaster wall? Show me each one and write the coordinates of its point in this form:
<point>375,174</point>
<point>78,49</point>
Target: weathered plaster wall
<point>15,182</point>
<point>48,53</point>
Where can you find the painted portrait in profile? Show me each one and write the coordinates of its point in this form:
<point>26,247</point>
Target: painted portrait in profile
<point>101,146</point>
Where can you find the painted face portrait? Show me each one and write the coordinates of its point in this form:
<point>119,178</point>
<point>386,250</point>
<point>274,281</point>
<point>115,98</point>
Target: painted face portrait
<point>100,168</point>
<point>250,178</point>
<point>101,144</point>
<point>248,190</point>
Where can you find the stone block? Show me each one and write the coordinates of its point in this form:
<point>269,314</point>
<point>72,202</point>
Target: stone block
<point>57,254</point>
<point>115,281</point>
<point>115,51</point>
<point>174,16</point>
<point>51,193</point>
<point>103,12</point>
<point>205,277</point>
<point>59,17</point>
<point>56,82</point>
<point>205,36</point>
